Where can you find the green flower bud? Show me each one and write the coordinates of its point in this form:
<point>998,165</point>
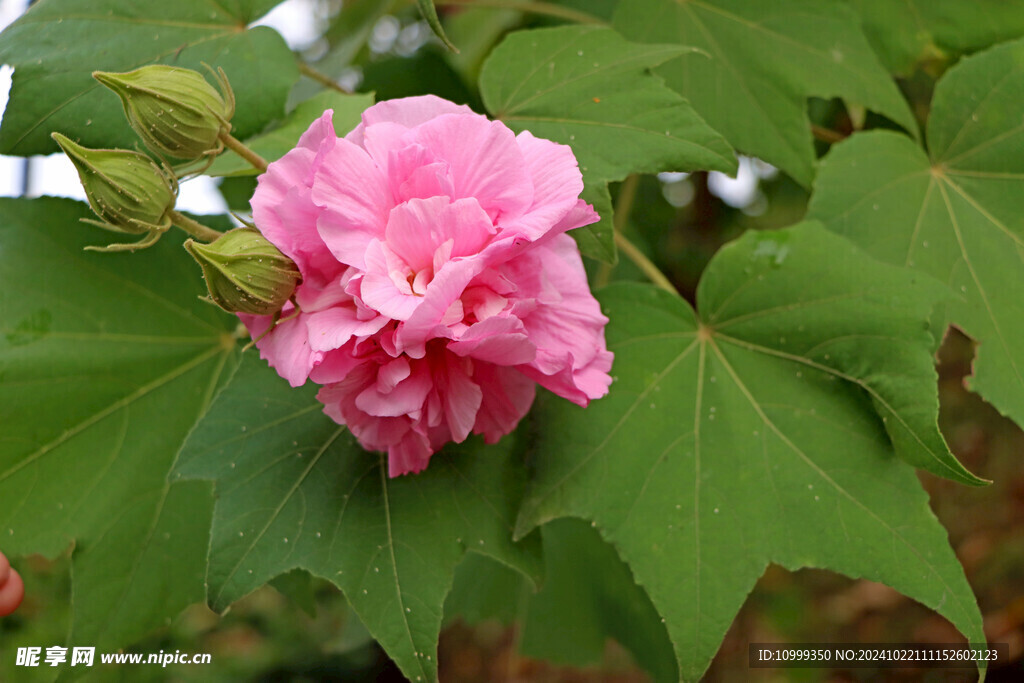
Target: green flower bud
<point>127,190</point>
<point>175,111</point>
<point>245,273</point>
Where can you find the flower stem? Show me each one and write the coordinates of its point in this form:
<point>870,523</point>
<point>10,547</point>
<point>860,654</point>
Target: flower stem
<point>643,263</point>
<point>321,78</point>
<point>826,134</point>
<point>545,8</point>
<point>624,202</point>
<point>194,228</point>
<point>236,146</point>
<point>623,205</point>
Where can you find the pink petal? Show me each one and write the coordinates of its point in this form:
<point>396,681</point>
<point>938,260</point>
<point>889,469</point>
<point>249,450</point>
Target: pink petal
<point>483,302</point>
<point>336,365</point>
<point>418,227</point>
<point>384,287</point>
<point>392,373</point>
<point>320,131</point>
<point>498,340</point>
<point>565,321</point>
<point>405,398</point>
<point>557,185</point>
<point>282,205</point>
<point>484,161</point>
<point>357,200</point>
<point>378,291</point>
<point>461,396</point>
<point>333,328</point>
<point>507,396</point>
<point>409,112</point>
<point>426,322</point>
<point>410,455</point>
<point>382,140</point>
<point>339,399</point>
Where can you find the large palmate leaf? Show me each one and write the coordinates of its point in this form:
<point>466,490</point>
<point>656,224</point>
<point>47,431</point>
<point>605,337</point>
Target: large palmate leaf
<point>587,597</point>
<point>904,31</point>
<point>294,489</point>
<point>748,434</point>
<point>759,62</point>
<point>586,87</point>
<point>274,144</point>
<point>957,213</point>
<point>105,362</point>
<point>57,44</point>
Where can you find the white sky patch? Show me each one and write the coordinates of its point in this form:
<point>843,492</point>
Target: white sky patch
<point>737,192</point>
<point>10,168</point>
<point>299,21</point>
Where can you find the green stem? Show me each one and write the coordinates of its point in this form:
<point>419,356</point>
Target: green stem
<point>529,7</point>
<point>624,202</point>
<point>643,263</point>
<point>194,228</point>
<point>321,78</point>
<point>826,134</point>
<point>236,146</point>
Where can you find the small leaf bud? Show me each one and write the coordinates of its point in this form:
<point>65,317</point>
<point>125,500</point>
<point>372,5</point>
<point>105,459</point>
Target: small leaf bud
<point>175,111</point>
<point>245,273</point>
<point>127,190</point>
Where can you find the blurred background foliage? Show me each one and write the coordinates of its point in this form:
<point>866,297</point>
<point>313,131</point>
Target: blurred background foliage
<point>300,629</point>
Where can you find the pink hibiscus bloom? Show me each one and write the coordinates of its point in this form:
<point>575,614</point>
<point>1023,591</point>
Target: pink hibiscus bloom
<point>438,286</point>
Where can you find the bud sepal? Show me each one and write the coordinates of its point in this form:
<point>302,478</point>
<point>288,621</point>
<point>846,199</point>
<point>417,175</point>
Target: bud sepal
<point>245,273</point>
<point>175,111</point>
<point>128,191</point>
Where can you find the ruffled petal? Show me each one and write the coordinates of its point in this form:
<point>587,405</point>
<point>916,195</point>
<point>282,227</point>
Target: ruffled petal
<point>498,340</point>
<point>410,455</point>
<point>461,396</point>
<point>507,397</point>
<point>417,228</point>
<point>408,111</point>
<point>564,321</point>
<point>357,201</point>
<point>557,184</point>
<point>484,161</point>
<point>405,398</point>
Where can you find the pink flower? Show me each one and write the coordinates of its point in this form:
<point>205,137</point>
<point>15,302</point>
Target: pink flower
<point>438,285</point>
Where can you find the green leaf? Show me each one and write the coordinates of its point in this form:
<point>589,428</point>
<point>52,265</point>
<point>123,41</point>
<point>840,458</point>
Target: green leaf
<point>586,87</point>
<point>477,30</point>
<point>957,214</point>
<point>746,435</point>
<point>294,489</point>
<point>766,59</point>
<point>275,143</point>
<point>105,363</point>
<point>588,596</point>
<point>903,31</point>
<point>297,586</point>
<point>57,44</point>
<point>484,589</point>
<point>145,567</point>
<point>429,13</point>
